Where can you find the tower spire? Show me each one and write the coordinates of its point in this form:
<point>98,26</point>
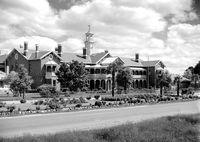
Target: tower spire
<point>88,43</point>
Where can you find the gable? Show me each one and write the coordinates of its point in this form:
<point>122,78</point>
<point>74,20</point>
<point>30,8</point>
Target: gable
<point>14,59</point>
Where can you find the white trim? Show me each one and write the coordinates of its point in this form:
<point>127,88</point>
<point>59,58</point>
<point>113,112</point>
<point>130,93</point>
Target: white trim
<point>49,53</point>
<point>102,58</point>
<point>17,51</point>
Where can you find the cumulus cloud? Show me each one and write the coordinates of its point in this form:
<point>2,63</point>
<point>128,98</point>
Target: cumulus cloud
<point>123,27</point>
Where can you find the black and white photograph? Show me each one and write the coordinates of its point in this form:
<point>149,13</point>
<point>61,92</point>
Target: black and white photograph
<point>99,70</point>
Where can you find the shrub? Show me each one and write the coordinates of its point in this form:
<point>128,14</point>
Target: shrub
<point>78,105</point>
<point>22,101</point>
<point>62,101</point>
<point>88,98</point>
<point>10,108</point>
<point>97,97</point>
<point>53,105</point>
<point>82,100</point>
<point>2,104</point>
<point>47,91</point>
<point>37,107</point>
<point>98,103</point>
<point>75,101</point>
<point>40,102</point>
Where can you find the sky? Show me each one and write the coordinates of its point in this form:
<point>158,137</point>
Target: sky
<point>166,30</point>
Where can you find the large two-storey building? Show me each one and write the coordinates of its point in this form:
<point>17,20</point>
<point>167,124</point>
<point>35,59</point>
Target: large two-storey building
<point>42,65</point>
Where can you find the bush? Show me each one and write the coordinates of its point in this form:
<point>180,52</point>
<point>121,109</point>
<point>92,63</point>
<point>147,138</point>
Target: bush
<point>40,102</point>
<point>10,108</point>
<point>37,107</point>
<point>75,101</point>
<point>22,101</point>
<point>53,105</point>
<point>78,105</point>
<point>98,103</point>
<point>97,97</point>
<point>2,104</point>
<point>82,100</point>
<point>88,98</point>
<point>47,91</point>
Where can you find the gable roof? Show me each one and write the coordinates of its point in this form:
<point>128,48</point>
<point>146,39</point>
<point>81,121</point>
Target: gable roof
<point>3,58</point>
<point>110,60</point>
<point>97,57</point>
<point>128,62</point>
<point>151,63</point>
<point>40,55</point>
<point>68,57</point>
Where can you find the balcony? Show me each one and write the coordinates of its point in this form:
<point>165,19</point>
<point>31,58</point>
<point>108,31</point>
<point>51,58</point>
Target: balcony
<point>98,76</point>
<point>139,76</point>
<point>50,75</point>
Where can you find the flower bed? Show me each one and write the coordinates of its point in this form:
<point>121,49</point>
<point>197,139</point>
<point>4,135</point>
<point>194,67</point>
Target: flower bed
<point>65,105</point>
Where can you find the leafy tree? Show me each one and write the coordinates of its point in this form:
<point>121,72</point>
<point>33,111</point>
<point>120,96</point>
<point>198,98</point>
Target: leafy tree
<point>188,74</point>
<point>197,68</point>
<point>20,81</point>
<point>165,80</point>
<point>72,75</point>
<point>113,68</point>
<point>124,78</point>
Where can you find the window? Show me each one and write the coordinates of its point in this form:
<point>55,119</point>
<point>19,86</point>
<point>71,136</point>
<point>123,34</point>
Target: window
<point>97,71</point>
<point>54,82</point>
<point>48,68</point>
<point>91,71</point>
<point>54,69</point>
<point>103,71</point>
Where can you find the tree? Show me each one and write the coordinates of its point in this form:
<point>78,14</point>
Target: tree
<point>165,80</point>
<point>72,75</point>
<point>20,81</point>
<point>113,68</point>
<point>124,78</point>
<point>177,81</point>
<point>197,68</point>
<point>188,74</point>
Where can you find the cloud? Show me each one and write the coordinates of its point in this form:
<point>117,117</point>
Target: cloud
<point>124,27</point>
<point>44,43</point>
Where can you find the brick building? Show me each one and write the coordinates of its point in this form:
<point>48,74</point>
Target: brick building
<point>41,65</point>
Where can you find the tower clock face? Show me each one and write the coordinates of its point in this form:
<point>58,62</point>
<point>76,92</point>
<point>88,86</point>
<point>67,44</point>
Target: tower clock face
<point>16,56</point>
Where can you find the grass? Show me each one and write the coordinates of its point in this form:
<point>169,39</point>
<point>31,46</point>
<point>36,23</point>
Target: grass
<point>180,128</point>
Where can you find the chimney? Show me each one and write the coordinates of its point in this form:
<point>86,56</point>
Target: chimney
<point>137,57</point>
<point>106,51</point>
<point>25,48</point>
<point>59,50</point>
<point>36,51</point>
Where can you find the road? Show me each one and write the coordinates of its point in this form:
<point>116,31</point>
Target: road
<point>81,120</point>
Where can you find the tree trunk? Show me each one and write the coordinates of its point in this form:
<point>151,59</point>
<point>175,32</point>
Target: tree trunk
<point>23,94</point>
<point>178,87</point>
<point>161,89</point>
<point>113,83</point>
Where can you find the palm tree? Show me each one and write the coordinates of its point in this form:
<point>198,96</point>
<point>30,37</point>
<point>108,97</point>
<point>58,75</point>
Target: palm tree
<point>177,81</point>
<point>165,80</point>
<point>113,68</point>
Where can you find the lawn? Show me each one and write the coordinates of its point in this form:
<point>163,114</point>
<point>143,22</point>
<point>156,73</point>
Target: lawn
<point>180,128</point>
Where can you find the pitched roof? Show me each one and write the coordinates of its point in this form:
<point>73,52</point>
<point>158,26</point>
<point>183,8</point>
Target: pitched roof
<point>151,63</point>
<point>68,57</point>
<point>108,60</point>
<point>40,54</point>
<point>96,57</point>
<point>3,58</point>
<point>130,62</point>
